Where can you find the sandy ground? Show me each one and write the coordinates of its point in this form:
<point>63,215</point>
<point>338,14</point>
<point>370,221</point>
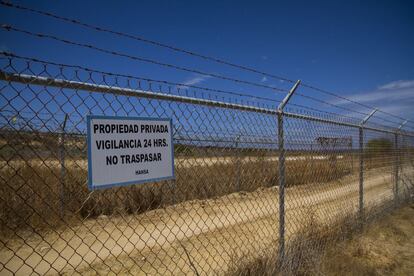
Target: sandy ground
<point>385,247</point>
<point>203,235</point>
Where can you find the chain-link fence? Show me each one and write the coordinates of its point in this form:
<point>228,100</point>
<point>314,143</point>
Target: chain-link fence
<point>255,181</point>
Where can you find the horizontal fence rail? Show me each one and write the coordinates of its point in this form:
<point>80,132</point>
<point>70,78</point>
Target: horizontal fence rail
<point>30,79</point>
<point>253,182</point>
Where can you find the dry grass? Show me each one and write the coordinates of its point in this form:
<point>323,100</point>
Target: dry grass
<point>384,246</point>
<point>304,251</point>
<point>266,264</point>
<point>35,195</point>
<point>336,249</point>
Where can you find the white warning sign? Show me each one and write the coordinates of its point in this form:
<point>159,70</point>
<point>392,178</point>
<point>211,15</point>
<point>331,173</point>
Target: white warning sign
<point>125,150</point>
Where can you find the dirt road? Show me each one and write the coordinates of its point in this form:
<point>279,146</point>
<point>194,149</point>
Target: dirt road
<point>205,235</point>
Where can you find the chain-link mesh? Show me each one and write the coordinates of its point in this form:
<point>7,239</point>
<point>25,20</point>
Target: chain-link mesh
<point>221,211</point>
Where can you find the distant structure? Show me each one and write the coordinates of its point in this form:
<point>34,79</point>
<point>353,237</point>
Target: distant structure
<point>331,145</point>
<point>334,143</point>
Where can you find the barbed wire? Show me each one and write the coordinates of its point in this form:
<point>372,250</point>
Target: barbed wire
<point>337,115</point>
<point>343,115</point>
<point>354,102</point>
<point>192,53</point>
<point>169,83</point>
<point>7,27</point>
<point>330,104</point>
<point>297,93</point>
<point>138,58</point>
<point>177,84</point>
<point>324,111</point>
<point>145,40</point>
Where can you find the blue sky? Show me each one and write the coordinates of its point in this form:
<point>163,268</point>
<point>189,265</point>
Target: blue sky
<point>359,49</point>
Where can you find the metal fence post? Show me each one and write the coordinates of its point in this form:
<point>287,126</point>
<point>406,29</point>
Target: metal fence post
<point>238,163</point>
<point>281,187</point>
<point>361,165</point>
<point>282,183</point>
<point>62,166</point>
<point>176,137</point>
<point>351,148</point>
<point>396,167</point>
<point>361,173</point>
<point>397,161</point>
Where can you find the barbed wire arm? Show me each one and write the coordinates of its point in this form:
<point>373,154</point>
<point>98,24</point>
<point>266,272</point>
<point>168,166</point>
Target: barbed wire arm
<point>365,120</point>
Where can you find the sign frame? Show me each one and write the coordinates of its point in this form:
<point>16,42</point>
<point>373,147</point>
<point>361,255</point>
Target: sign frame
<point>92,187</point>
